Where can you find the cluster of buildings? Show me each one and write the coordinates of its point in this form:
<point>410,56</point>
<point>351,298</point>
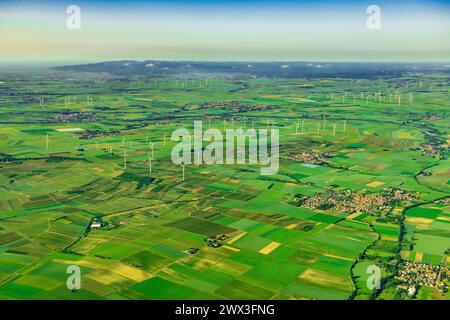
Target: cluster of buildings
<point>217,240</point>
<point>96,223</point>
<point>191,250</point>
<point>434,148</point>
<point>415,274</point>
<point>213,242</point>
<point>90,134</point>
<point>432,117</point>
<point>428,148</point>
<point>75,117</point>
<point>398,195</point>
<point>236,106</point>
<point>313,157</point>
<point>351,201</point>
<point>443,201</point>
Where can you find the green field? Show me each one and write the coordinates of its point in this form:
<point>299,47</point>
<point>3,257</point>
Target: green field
<point>54,182</point>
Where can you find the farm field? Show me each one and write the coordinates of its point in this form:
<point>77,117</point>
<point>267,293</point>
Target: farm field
<point>363,180</point>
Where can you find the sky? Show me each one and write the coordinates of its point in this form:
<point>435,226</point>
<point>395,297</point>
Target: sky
<point>224,30</point>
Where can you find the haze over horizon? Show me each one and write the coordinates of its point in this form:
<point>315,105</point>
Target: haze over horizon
<point>334,31</point>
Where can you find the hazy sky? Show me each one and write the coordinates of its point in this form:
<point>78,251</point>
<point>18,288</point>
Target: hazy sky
<point>225,30</point>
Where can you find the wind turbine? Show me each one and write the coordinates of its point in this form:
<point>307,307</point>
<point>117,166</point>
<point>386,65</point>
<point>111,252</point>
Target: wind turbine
<point>124,159</point>
<point>183,165</point>
<point>345,125</point>
<point>334,129</point>
<point>151,148</point>
<point>47,139</point>
<point>149,164</point>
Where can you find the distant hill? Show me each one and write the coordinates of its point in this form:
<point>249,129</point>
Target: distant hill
<point>258,69</point>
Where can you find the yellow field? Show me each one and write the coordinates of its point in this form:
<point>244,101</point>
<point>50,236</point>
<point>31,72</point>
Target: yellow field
<point>233,268</point>
<point>231,248</point>
<point>69,129</point>
<point>404,254</point>
<point>418,220</point>
<point>237,237</point>
<point>337,257</point>
<point>82,263</point>
<point>404,135</point>
<point>106,277</point>
<point>129,272</point>
<point>325,279</point>
<point>354,215</point>
<point>375,184</point>
<point>444,218</point>
<point>418,257</point>
<point>269,248</point>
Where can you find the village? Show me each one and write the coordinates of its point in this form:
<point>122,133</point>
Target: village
<point>415,274</point>
<point>312,157</point>
<point>91,134</point>
<point>352,201</point>
<point>76,117</point>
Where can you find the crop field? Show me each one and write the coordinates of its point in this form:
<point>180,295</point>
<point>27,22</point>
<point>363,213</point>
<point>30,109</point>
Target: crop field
<point>363,180</point>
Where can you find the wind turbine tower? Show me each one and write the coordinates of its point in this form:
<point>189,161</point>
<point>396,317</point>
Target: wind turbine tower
<point>124,159</point>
